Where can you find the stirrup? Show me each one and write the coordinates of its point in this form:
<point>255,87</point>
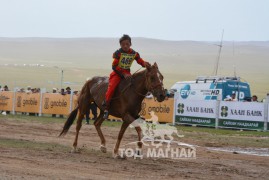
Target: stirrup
<point>106,114</point>
<point>104,103</point>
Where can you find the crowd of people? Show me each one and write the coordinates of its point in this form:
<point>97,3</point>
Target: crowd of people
<point>5,88</point>
<point>30,89</point>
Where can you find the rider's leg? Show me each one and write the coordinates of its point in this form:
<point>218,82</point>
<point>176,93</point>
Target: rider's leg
<point>114,80</point>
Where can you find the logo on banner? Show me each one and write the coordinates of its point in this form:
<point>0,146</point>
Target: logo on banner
<point>46,105</point>
<point>161,108</point>
<point>185,91</point>
<point>143,109</point>
<point>3,100</point>
<point>19,99</point>
<point>224,111</point>
<point>180,109</point>
<point>158,140</point>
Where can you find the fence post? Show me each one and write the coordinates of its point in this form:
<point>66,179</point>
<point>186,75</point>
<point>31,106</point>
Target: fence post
<point>71,102</point>
<point>14,101</point>
<point>40,105</point>
<point>266,112</point>
<point>175,108</point>
<point>219,98</point>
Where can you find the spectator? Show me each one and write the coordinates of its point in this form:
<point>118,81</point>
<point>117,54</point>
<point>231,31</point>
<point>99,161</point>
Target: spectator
<point>68,90</point>
<point>33,90</point>
<point>228,98</point>
<point>167,94</point>
<point>28,90</point>
<point>93,109</point>
<point>6,88</point>
<point>75,93</point>
<point>172,93</point>
<point>254,98</point>
<point>62,93</point>
<point>247,99</point>
<point>54,90</point>
<point>234,97</point>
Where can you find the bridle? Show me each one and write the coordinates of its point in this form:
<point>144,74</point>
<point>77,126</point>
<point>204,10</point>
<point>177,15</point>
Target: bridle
<point>149,88</point>
<point>152,87</point>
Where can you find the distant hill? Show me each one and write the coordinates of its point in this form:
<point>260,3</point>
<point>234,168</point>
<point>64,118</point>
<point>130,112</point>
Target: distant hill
<point>178,60</point>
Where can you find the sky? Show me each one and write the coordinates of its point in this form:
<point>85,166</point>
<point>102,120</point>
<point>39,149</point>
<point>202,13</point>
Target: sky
<point>198,20</point>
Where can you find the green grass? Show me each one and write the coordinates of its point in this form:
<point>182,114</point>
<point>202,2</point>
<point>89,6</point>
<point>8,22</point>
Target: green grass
<point>198,135</point>
<point>187,129</point>
<point>25,144</point>
<point>43,119</point>
<point>46,119</point>
<point>226,132</point>
<point>211,137</point>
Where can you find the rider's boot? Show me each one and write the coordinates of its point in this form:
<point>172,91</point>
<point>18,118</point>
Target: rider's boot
<point>106,113</point>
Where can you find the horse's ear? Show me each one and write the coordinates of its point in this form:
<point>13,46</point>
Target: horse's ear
<point>156,65</point>
<point>148,67</point>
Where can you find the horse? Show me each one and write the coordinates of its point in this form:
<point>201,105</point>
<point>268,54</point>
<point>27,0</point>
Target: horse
<point>125,104</point>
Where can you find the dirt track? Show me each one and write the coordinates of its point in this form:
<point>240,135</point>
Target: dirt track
<point>32,150</point>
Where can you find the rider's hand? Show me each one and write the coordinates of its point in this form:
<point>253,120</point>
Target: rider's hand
<point>147,64</point>
<point>127,76</point>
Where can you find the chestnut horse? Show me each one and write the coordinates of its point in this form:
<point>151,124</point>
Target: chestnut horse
<point>125,104</point>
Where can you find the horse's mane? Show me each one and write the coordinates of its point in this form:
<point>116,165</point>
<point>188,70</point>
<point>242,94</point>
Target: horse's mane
<point>140,73</point>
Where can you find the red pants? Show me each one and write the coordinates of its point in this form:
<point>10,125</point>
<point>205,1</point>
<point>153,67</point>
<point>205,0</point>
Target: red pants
<point>114,81</point>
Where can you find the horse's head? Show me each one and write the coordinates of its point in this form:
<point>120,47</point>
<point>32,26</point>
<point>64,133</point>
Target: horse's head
<point>154,79</point>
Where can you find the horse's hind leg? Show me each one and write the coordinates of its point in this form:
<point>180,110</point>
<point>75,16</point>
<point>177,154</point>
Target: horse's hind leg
<point>97,125</point>
<point>139,143</point>
<point>79,123</point>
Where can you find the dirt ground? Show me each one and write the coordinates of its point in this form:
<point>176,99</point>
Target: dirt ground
<point>32,150</point>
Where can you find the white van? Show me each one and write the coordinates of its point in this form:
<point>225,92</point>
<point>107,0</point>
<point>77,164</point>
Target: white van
<point>208,88</point>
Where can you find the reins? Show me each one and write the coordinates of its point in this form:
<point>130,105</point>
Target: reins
<point>128,86</point>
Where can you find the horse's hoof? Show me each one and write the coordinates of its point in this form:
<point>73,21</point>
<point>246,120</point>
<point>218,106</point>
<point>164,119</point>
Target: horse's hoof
<point>103,148</point>
<point>138,152</point>
<point>74,150</point>
<point>117,156</point>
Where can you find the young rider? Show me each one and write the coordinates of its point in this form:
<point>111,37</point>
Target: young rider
<point>122,62</point>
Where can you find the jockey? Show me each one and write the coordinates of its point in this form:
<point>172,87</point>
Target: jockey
<point>122,62</point>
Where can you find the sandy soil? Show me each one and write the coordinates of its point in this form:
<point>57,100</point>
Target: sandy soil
<point>28,162</point>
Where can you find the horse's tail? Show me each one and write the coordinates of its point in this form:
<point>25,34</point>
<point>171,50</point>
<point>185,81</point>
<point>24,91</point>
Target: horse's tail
<point>69,121</point>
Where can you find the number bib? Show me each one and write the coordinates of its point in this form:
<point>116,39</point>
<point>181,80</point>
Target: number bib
<point>126,60</point>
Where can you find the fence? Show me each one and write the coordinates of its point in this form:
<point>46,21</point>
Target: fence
<point>54,103</point>
<point>42,103</point>
<point>212,113</point>
<point>223,114</point>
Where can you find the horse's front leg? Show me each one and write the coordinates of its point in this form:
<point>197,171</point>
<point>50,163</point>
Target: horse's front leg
<point>139,143</point>
<point>121,133</point>
<point>127,119</point>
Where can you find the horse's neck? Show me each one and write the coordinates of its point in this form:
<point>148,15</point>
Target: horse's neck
<point>139,83</point>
